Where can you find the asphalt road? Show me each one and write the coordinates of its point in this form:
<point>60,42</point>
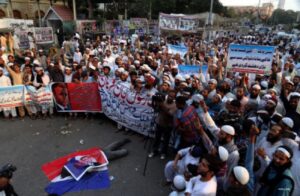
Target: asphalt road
<point>29,144</point>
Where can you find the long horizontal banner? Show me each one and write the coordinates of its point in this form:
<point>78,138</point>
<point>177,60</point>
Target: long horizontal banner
<point>250,59</point>
<point>178,22</point>
<point>72,97</point>
<point>129,109</point>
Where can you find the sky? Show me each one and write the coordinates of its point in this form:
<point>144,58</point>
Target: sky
<point>289,4</point>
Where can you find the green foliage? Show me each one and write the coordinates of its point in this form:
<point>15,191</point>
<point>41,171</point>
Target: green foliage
<point>141,8</point>
<point>280,16</point>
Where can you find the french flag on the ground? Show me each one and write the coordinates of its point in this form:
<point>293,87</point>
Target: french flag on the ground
<point>82,170</point>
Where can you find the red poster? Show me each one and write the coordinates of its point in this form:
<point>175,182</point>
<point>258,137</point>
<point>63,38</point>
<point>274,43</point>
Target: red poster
<point>84,97</point>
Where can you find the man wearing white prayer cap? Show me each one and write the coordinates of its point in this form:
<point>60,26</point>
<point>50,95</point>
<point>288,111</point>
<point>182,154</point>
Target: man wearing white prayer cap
<point>280,167</point>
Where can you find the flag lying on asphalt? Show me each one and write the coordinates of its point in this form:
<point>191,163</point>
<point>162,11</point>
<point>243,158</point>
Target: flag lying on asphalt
<point>82,170</point>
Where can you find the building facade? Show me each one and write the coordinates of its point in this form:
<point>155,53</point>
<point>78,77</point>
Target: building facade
<point>25,9</point>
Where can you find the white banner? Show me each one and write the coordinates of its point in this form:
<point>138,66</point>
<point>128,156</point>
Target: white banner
<point>180,22</point>
<point>250,59</point>
<point>129,109</point>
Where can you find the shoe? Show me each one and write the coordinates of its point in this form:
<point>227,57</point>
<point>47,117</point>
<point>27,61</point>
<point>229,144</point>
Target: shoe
<point>162,156</point>
<point>152,154</point>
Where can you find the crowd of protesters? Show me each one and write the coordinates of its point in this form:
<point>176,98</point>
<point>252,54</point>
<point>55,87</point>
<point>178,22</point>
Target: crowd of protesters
<point>234,133</point>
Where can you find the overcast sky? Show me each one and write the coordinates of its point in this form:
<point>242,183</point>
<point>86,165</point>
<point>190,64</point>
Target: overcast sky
<point>289,4</point>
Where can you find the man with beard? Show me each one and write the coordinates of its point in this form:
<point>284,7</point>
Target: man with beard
<point>293,100</point>
<point>270,107</point>
<point>55,73</point>
<point>254,93</point>
<point>212,86</point>
<point>277,178</point>
<point>267,146</point>
<point>164,124</point>
<point>223,136</point>
<point>187,123</point>
<point>226,91</point>
<point>206,182</point>
<point>231,115</point>
<point>240,96</point>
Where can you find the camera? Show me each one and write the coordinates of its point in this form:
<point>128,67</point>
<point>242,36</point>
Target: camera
<point>7,171</point>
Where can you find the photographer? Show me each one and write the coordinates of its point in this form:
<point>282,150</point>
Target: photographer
<point>6,172</point>
<point>164,121</point>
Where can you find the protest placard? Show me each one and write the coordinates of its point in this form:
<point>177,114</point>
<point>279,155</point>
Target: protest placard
<point>43,35</point>
<point>129,109</point>
<point>176,49</point>
<point>250,59</point>
<point>192,69</point>
<point>41,96</point>
<point>74,97</point>
<point>11,96</point>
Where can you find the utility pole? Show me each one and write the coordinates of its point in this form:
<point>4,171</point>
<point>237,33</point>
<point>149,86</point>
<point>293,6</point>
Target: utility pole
<point>39,12</point>
<point>210,19</point>
<point>150,9</point>
<point>74,10</point>
<point>126,10</point>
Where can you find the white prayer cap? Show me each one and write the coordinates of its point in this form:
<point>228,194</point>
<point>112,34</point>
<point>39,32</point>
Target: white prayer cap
<point>120,69</point>
<point>51,64</point>
<point>123,41</point>
<point>197,98</point>
<point>241,174</point>
<point>187,76</point>
<point>290,82</point>
<point>264,84</point>
<point>179,77</point>
<point>256,86</point>
<point>223,153</point>
<point>125,72</point>
<point>288,122</point>
<point>91,53</point>
<point>184,84</point>
<point>273,90</point>
<point>137,62</point>
<point>219,96</point>
<point>179,182</point>
<point>36,62</point>
<point>92,67</point>
<point>27,58</point>
<point>68,68</point>
<point>167,82</point>
<point>214,81</point>
<point>293,94</point>
<point>41,50</point>
<point>228,129</point>
<point>77,36</point>
<point>174,67</point>
<point>284,151</point>
<point>147,68</point>
<point>10,64</point>
<point>39,69</point>
<point>150,58</point>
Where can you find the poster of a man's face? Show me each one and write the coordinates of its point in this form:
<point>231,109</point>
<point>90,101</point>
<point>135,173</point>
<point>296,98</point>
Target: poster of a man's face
<point>60,94</point>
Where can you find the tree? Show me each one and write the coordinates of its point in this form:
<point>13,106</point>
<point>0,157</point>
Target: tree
<point>280,16</point>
